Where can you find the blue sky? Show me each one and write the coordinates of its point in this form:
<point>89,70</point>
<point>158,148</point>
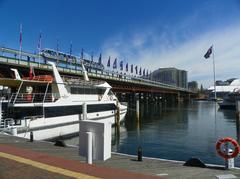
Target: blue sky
<point>147,33</point>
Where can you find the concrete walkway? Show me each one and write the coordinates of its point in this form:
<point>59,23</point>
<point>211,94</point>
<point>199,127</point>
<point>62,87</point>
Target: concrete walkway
<point>66,159</point>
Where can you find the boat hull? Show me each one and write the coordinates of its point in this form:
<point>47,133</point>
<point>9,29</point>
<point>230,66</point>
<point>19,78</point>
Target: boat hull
<point>64,127</point>
<point>227,106</point>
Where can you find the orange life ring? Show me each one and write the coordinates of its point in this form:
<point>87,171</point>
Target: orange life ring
<point>29,97</point>
<point>222,153</point>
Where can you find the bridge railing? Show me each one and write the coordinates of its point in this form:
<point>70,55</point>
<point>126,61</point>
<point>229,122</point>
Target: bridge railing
<point>76,70</point>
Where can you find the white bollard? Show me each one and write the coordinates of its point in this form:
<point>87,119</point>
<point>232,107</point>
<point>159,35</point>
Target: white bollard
<point>14,131</point>
<point>0,108</point>
<point>89,147</point>
<point>84,111</point>
<point>229,163</point>
<point>137,109</point>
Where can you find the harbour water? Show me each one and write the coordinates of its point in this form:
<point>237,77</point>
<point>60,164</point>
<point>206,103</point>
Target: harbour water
<point>175,132</point>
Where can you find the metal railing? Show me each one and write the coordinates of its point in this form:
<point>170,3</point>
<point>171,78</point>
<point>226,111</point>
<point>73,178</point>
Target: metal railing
<point>31,98</point>
<point>5,123</point>
<point>104,74</point>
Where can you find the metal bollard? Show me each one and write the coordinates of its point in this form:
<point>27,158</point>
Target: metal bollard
<point>31,136</point>
<point>89,156</point>
<point>139,152</point>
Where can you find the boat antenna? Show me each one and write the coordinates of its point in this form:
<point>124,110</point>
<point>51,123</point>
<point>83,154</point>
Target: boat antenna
<point>17,76</point>
<point>85,75</point>
<point>61,87</point>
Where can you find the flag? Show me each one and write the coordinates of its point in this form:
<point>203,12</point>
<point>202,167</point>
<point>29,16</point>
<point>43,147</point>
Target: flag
<point>140,71</point>
<point>115,63</point>
<point>82,54</point>
<point>132,68</point>
<point>20,38</point>
<point>144,72</point>
<point>209,52</point>
<point>108,63</point>
<point>147,72</point>
<point>100,59</point>
<point>70,51</point>
<point>121,65</point>
<point>39,47</point>
<point>31,72</point>
<point>136,69</point>
<point>127,67</point>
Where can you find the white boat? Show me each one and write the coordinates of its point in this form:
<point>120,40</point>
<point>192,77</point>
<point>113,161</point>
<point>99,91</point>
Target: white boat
<point>50,108</point>
<point>229,101</point>
<point>223,90</point>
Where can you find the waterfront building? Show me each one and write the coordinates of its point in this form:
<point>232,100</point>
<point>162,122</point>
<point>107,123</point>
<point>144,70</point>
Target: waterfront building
<point>171,76</point>
<point>193,86</point>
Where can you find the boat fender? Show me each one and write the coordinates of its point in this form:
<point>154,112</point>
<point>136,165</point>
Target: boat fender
<point>223,153</point>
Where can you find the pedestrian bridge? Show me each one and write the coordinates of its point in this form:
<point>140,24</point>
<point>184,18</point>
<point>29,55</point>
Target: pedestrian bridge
<point>123,83</point>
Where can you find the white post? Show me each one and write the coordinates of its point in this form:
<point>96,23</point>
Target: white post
<point>89,147</point>
<point>0,109</point>
<point>229,163</point>
<point>84,111</point>
<point>14,131</point>
<point>137,109</point>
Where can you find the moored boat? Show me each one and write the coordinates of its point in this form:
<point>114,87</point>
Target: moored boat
<point>229,101</point>
<point>51,108</point>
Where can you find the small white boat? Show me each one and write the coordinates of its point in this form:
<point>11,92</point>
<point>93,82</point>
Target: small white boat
<point>229,101</point>
<point>51,108</point>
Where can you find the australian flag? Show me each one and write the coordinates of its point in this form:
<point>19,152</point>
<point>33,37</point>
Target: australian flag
<point>108,63</point>
<point>115,63</point>
<point>136,69</point>
<point>140,71</point>
<point>100,59</point>
<point>121,65</point>
<point>144,72</point>
<point>132,68</point>
<point>209,52</point>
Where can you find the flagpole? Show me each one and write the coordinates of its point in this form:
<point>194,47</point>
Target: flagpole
<point>39,47</point>
<point>20,41</point>
<point>214,75</point>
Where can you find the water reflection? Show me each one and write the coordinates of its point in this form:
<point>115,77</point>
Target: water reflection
<point>176,131</point>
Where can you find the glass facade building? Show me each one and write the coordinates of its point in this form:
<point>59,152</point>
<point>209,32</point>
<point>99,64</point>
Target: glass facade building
<point>171,76</point>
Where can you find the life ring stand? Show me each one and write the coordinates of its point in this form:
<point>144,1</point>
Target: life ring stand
<point>224,154</point>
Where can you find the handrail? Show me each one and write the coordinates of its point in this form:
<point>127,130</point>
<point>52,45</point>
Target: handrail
<point>105,74</point>
<point>17,92</point>
<point>45,93</point>
<point>32,98</point>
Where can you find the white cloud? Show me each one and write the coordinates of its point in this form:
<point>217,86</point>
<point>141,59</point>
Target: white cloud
<point>151,49</point>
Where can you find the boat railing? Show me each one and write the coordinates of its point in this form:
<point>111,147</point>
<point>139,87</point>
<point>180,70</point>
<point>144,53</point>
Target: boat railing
<point>5,123</point>
<point>31,98</point>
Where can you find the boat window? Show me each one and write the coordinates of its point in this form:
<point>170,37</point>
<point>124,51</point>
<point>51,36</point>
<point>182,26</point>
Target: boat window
<point>73,110</point>
<point>87,90</point>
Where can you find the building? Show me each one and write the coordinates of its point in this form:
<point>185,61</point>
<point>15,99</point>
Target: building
<point>171,76</point>
<point>193,86</point>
